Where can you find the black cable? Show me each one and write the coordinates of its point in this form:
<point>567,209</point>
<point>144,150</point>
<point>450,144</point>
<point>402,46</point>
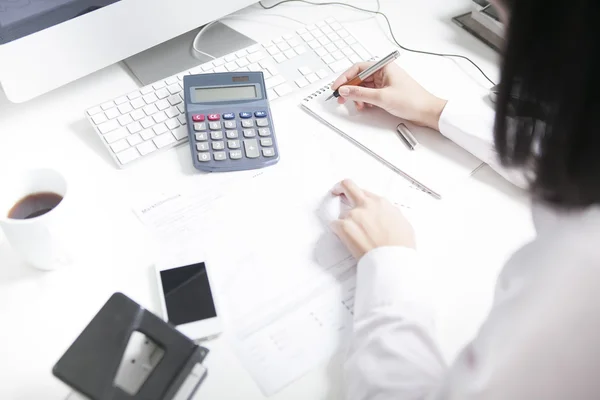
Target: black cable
<point>335,3</point>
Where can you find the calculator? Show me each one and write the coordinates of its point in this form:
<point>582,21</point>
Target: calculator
<point>229,121</point>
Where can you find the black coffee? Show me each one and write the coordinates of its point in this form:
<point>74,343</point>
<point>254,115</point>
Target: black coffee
<point>35,205</point>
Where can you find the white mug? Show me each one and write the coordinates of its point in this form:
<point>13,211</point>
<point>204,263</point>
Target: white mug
<point>40,240</point>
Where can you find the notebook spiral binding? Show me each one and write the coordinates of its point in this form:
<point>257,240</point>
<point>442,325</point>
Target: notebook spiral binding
<point>318,92</point>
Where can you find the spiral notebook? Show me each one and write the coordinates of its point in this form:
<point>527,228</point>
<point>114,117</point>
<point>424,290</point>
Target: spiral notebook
<point>434,166</point>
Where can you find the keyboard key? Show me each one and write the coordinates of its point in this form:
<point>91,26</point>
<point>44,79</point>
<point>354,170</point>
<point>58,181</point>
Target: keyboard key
<point>350,40</point>
<point>300,49</point>
<point>208,66</point>
<point>293,42</point>
<point>248,133</point>
<point>304,70</point>
<point>228,116</point>
<point>127,156</point>
<point>235,155</point>
<point>321,51</point>
<point>146,148</point>
<point>242,62</point>
<point>254,67</point>
<point>164,140</point>
<point>280,58</point>
<point>160,117</point>
<point>231,134</point>
<point>343,33</point>
<point>251,148</point>
<point>327,30</point>
<point>264,132</point>
<point>99,118</point>
<point>340,44</point>
<point>204,157</point>
<point>311,27</point>
<point>340,65</point>
<point>324,40</point>
<point>134,95</point>
<point>290,53</point>
<point>301,31</point>
<point>273,69</point>
<point>214,125</point>
<point>230,58</point>
<point>317,33</point>
<point>162,105</point>
<point>181,108</point>
<point>274,81</point>
<point>219,156</point>
<point>283,89</point>
<point>172,123</point>
<point>247,123</point>
<point>322,73</point>
<point>302,82</point>
<point>134,140</point>
<point>219,145</point>
<point>216,135</point>
<point>338,55</point>
<point>336,25</point>
<point>232,66</point>
<point>348,51</point>
<point>112,113</point>
<point>262,122</point>
<point>283,46</point>
<point>245,115</point>
<point>230,124</point>
<point>260,114</point>
<point>180,133</point>
<point>201,136</point>
<point>314,44</point>
<point>266,142</point>
<point>94,111</point>
<point>355,58</point>
<point>328,59</point>
<point>174,100</point>
<point>160,129</point>
<point>199,126</point>
<point>203,146</point>
<point>214,117</point>
<point>134,128</point>
<point>162,93</point>
<point>334,37</point>
<point>151,109</point>
<point>147,122</point>
<point>307,37</point>
<point>108,126</point>
<point>125,119</point>
<point>331,47</point>
<point>108,105</point>
<point>243,69</point>
<point>170,81</point>
<point>150,98</point>
<point>125,108</point>
<point>361,52</point>
<point>159,85</point>
<point>147,134</point>
<point>233,144</point>
<point>174,89</point>
<point>218,62</point>
<point>268,152</point>
<point>278,40</point>
<point>181,119</point>
<point>271,95</point>
<point>221,69</point>
<point>113,136</point>
<point>138,103</point>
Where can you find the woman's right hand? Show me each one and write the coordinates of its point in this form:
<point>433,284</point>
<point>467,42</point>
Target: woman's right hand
<point>393,90</point>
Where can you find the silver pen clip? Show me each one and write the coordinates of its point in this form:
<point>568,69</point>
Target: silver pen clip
<point>407,136</point>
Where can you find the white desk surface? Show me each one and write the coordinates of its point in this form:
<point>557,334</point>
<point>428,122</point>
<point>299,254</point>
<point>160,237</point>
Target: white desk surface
<point>470,233</point>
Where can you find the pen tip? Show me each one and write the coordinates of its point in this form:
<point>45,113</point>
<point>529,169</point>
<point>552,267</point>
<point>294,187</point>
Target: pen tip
<point>329,98</point>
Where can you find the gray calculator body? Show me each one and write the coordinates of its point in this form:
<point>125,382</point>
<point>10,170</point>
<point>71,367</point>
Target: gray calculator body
<point>229,122</point>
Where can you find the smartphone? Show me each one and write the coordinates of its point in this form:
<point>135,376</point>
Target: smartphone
<point>187,300</point>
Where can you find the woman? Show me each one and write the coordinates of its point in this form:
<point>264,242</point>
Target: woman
<point>541,339</point>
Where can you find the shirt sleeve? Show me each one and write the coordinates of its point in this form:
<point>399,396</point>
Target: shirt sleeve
<point>470,124</point>
<point>393,354</point>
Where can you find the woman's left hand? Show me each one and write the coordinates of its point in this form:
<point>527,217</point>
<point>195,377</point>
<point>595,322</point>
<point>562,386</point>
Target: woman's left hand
<point>373,222</point>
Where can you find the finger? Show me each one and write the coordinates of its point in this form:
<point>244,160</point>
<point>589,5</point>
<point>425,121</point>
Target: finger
<point>350,74</point>
<point>361,94</point>
<point>349,234</point>
<point>351,190</point>
<point>359,105</point>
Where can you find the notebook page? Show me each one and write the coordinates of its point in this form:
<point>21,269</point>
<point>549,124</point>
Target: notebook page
<point>437,163</point>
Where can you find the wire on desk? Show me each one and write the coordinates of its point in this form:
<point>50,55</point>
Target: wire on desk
<point>198,35</point>
<point>377,12</point>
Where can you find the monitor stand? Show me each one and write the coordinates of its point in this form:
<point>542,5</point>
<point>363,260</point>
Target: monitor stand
<point>177,55</point>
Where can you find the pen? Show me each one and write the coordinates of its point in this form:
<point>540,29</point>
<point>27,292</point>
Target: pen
<point>360,78</point>
<point>406,135</point>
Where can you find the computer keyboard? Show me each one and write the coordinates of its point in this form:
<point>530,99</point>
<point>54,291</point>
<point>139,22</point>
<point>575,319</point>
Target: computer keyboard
<point>152,119</point>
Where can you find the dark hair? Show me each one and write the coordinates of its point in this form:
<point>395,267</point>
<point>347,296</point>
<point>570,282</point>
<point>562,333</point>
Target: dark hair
<point>548,111</point>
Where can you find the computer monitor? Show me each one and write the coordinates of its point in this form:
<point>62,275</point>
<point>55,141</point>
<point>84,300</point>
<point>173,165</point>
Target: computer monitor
<point>45,44</point>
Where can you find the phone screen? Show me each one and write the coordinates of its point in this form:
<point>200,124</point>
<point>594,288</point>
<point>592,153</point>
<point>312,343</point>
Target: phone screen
<point>187,294</point>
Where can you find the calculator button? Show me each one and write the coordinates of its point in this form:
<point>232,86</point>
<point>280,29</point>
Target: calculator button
<point>214,126</point>
<point>229,116</point>
<point>269,152</point>
<point>245,115</point>
<point>218,145</point>
<point>220,156</point>
<point>232,134</point>
<point>203,146</point>
<point>199,126</point>
<point>249,133</point>
<point>230,124</point>
<point>262,122</point>
<point>251,148</point>
<point>217,135</point>
<point>264,132</point>
<point>233,144</point>
<point>214,117</point>
<point>266,142</point>
<point>235,155</point>
<point>201,136</point>
<point>247,123</point>
<point>260,114</point>
<point>204,157</point>
<point>198,117</point>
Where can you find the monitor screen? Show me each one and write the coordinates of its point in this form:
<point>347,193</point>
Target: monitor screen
<point>19,18</point>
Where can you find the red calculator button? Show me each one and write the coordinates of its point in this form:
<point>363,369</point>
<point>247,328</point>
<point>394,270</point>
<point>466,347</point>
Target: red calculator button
<point>214,117</point>
<point>198,117</point>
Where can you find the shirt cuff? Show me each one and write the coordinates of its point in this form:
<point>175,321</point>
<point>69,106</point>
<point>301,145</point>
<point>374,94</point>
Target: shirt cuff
<point>392,277</point>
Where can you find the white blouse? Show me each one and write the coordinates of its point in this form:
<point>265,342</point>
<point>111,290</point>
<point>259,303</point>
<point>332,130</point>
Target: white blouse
<point>541,340</point>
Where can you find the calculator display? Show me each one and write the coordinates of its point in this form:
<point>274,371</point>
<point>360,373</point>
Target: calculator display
<point>227,93</point>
